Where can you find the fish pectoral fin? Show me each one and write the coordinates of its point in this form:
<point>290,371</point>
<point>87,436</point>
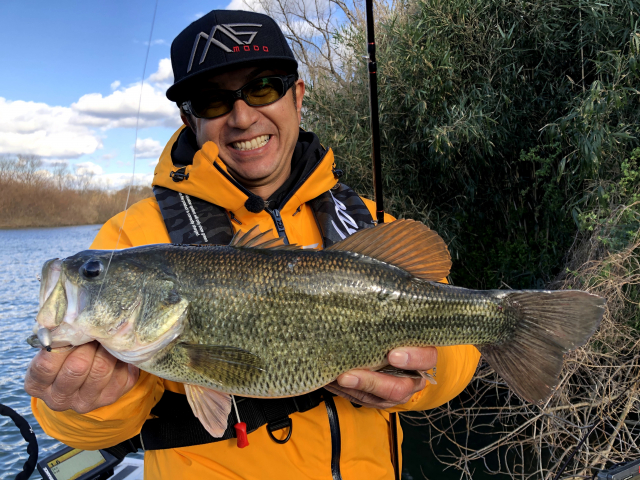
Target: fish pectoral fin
<point>417,374</point>
<point>210,407</point>
<point>223,365</point>
<point>406,244</point>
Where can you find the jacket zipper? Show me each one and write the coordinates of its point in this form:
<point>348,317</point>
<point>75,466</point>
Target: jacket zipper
<point>334,428</point>
<point>277,220</point>
<point>274,214</point>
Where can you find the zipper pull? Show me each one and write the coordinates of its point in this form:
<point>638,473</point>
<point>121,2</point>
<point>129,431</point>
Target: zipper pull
<point>277,219</point>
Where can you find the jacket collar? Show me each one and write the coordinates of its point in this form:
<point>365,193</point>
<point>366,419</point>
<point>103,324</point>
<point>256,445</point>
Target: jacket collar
<point>210,180</point>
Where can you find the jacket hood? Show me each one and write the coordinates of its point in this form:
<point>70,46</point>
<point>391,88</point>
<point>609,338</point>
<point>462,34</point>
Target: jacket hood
<point>209,179</point>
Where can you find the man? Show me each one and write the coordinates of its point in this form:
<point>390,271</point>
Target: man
<point>241,161</point>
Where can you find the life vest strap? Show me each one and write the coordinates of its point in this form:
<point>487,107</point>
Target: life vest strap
<point>176,426</point>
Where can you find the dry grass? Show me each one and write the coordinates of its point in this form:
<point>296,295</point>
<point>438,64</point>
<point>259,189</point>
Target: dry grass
<point>488,428</point>
<point>32,197</point>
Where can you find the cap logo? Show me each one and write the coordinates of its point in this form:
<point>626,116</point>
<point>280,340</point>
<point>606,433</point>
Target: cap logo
<point>228,29</point>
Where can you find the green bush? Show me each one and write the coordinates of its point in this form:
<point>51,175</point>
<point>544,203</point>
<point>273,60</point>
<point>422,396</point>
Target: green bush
<point>504,124</point>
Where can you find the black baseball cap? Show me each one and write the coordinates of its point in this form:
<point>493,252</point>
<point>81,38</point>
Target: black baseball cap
<point>226,39</point>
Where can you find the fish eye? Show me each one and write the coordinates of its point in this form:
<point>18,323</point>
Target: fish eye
<point>91,269</point>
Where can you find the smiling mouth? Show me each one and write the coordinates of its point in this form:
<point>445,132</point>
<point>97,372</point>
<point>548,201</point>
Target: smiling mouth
<point>252,144</point>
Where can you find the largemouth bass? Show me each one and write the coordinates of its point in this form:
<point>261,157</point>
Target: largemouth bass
<point>257,318</point>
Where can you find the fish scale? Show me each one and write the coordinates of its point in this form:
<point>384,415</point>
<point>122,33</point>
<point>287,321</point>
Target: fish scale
<point>335,313</point>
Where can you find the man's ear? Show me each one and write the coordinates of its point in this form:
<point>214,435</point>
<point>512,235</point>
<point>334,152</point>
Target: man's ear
<point>300,89</point>
<point>188,121</point>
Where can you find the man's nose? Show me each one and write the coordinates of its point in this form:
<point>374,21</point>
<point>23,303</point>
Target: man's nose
<point>242,116</point>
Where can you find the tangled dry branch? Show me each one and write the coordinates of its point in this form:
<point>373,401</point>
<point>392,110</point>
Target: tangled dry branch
<point>488,428</point>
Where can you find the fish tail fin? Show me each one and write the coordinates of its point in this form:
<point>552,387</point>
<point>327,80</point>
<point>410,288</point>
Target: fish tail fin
<point>548,324</point>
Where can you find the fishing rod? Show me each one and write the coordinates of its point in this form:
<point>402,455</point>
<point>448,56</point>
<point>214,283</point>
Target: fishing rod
<point>375,119</point>
<point>377,181</point>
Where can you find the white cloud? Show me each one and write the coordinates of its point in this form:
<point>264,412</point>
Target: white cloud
<point>88,168</point>
<point>39,129</point>
<point>158,41</point>
<point>196,16</point>
<point>54,163</point>
<point>163,77</point>
<point>69,132</point>
<point>116,181</point>
<point>108,156</point>
<point>247,5</point>
<point>120,109</point>
<point>148,148</point>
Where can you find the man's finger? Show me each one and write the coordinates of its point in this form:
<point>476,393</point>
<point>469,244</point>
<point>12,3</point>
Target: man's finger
<point>122,380</point>
<point>72,374</point>
<point>381,385</point>
<point>42,371</point>
<point>99,377</point>
<point>359,397</point>
<point>414,358</point>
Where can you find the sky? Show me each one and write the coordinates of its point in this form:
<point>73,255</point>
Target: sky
<point>70,82</point>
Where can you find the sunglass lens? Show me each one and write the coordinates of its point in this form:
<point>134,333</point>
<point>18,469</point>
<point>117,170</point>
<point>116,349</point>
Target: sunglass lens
<point>263,91</point>
<point>211,107</point>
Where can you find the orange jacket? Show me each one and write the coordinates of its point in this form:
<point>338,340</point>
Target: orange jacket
<point>365,452</point>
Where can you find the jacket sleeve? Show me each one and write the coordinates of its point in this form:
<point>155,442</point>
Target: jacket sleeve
<point>454,370</point>
<point>112,424</point>
<point>104,426</point>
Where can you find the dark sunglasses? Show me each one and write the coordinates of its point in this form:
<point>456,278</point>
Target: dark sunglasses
<point>257,93</point>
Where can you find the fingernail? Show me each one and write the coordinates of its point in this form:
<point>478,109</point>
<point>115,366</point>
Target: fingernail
<point>399,359</point>
<point>348,381</point>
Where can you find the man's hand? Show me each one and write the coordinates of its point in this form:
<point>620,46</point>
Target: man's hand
<point>81,379</point>
<point>380,390</point>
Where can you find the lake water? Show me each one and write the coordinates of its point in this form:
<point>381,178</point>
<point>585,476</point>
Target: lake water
<point>22,253</point>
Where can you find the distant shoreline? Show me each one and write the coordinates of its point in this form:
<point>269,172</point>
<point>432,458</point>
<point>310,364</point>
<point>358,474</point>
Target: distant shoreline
<point>31,197</point>
<point>27,227</point>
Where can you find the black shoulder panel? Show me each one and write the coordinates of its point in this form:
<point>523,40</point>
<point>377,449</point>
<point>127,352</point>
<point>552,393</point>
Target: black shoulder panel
<point>191,220</point>
<point>339,213</point>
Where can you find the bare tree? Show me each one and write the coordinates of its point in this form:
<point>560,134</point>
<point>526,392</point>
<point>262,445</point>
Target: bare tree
<point>62,176</point>
<point>310,26</point>
<point>7,167</point>
<point>27,168</point>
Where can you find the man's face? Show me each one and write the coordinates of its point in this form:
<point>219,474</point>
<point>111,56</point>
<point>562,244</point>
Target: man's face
<point>256,143</point>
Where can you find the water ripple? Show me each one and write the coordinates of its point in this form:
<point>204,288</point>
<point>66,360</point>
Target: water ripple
<point>21,257</point>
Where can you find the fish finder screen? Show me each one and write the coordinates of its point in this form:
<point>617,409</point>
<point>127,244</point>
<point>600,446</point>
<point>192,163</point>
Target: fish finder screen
<point>73,464</point>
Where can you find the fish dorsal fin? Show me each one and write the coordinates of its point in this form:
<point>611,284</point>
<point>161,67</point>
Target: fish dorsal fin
<point>256,239</point>
<point>406,244</point>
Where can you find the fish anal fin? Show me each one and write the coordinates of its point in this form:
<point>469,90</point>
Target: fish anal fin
<point>262,240</point>
<point>222,365</point>
<point>415,374</point>
<point>210,407</point>
<point>406,244</point>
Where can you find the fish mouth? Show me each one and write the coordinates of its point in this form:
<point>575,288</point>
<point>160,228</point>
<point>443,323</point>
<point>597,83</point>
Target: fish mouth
<point>62,336</point>
<point>61,302</point>
<point>50,274</point>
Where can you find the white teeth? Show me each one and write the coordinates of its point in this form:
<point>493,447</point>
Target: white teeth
<point>252,144</point>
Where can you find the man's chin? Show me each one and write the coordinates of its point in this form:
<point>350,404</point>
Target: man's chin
<point>252,177</point>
